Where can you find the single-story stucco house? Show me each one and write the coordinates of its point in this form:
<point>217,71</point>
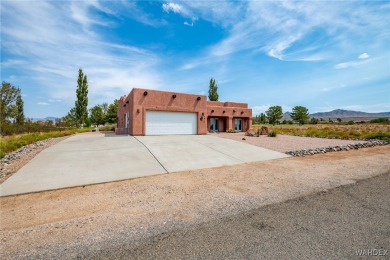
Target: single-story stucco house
<point>152,112</point>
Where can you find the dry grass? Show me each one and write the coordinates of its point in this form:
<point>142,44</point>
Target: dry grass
<point>357,131</point>
<point>13,142</point>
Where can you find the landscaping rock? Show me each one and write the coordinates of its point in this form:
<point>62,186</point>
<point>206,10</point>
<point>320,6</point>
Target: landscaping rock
<point>370,143</point>
<point>250,132</point>
<point>263,130</point>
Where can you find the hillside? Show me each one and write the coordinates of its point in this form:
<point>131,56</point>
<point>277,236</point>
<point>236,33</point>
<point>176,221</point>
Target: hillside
<point>340,113</point>
<point>343,114</point>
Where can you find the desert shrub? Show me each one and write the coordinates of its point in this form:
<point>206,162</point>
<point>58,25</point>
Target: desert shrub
<point>107,128</point>
<point>380,120</point>
<point>350,122</point>
<point>380,135</point>
<point>272,134</point>
<point>353,134</point>
<point>28,127</point>
<point>312,132</point>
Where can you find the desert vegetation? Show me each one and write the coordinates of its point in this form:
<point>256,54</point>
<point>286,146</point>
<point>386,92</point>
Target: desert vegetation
<point>355,131</point>
<point>13,142</point>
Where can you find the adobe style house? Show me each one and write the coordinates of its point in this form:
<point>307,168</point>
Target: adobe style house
<point>152,112</point>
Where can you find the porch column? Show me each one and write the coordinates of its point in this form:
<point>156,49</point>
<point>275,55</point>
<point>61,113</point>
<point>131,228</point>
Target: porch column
<point>230,123</point>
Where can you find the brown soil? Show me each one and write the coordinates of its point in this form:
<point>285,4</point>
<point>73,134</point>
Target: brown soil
<point>285,143</point>
<point>67,223</point>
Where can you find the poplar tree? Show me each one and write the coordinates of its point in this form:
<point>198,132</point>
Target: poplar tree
<point>19,118</point>
<point>81,103</point>
<point>213,90</point>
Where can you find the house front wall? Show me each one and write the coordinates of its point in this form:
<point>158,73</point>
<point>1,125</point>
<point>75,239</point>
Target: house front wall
<point>134,107</point>
<point>227,112</point>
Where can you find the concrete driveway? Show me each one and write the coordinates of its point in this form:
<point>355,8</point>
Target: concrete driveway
<point>98,158</point>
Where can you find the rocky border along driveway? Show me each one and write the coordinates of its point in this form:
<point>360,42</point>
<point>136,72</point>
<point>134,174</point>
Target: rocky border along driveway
<point>15,160</point>
<point>308,152</point>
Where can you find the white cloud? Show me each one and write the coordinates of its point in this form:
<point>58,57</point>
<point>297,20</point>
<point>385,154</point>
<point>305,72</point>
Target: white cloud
<point>176,8</point>
<point>221,13</point>
<point>42,34</point>
<point>350,64</point>
<point>364,56</point>
<point>180,9</point>
<point>290,30</point>
<point>277,49</point>
<point>257,110</point>
<point>191,24</point>
<point>334,87</point>
<point>43,103</point>
<point>130,9</point>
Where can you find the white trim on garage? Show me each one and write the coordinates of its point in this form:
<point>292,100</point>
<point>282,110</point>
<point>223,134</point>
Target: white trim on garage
<point>171,123</point>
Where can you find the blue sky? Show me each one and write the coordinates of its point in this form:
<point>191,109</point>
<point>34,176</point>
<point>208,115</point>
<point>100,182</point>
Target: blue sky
<point>322,55</point>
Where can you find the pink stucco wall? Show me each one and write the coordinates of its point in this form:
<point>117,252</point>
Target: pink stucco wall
<point>137,103</point>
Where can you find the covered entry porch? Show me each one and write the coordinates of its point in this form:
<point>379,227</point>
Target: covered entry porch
<point>224,123</point>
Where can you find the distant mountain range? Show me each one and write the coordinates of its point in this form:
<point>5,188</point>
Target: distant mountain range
<point>341,113</point>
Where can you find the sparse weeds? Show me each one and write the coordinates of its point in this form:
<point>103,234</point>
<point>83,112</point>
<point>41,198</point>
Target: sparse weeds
<point>272,134</point>
<point>355,131</point>
<point>107,128</point>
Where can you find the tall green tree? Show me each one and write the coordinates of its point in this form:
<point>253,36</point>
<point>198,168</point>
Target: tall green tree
<point>19,118</point>
<point>300,114</point>
<point>97,115</point>
<point>8,97</point>
<point>274,114</point>
<point>104,107</point>
<point>70,119</point>
<point>213,90</point>
<point>112,112</point>
<point>81,103</point>
<point>262,118</point>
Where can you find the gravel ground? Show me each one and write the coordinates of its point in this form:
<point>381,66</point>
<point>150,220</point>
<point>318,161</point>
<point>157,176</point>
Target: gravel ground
<point>343,223</point>
<point>285,143</point>
<point>12,162</point>
<point>87,221</point>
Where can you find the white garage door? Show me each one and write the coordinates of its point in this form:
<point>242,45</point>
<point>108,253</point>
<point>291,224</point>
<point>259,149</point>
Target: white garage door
<point>171,123</point>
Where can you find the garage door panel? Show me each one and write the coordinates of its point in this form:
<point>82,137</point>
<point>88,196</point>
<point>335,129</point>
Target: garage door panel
<point>170,123</point>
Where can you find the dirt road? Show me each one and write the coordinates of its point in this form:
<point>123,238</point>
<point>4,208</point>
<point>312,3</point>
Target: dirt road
<point>84,221</point>
<point>343,223</point>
